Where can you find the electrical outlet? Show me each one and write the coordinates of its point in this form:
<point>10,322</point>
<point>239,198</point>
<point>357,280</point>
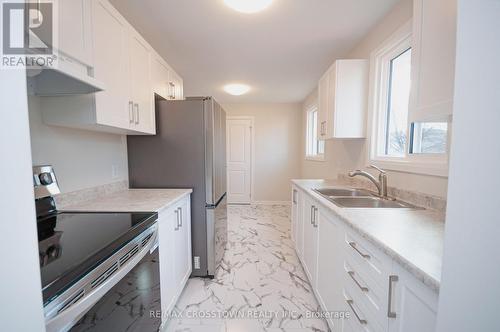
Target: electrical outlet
<point>114,171</point>
<point>197,262</point>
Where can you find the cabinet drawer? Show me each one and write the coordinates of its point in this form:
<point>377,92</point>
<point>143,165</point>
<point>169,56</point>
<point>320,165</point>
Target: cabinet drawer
<point>370,260</point>
<point>371,295</point>
<point>370,292</point>
<point>360,319</point>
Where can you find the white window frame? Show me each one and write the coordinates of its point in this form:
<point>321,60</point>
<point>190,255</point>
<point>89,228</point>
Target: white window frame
<point>430,164</point>
<point>308,137</point>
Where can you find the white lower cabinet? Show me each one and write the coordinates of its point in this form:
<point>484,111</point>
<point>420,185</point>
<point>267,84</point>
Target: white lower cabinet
<point>297,225</point>
<point>174,232</point>
<point>414,306</point>
<point>329,266</point>
<point>310,244</point>
<point>350,275</point>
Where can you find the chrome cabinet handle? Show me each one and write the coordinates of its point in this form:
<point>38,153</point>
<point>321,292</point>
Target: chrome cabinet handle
<point>363,288</point>
<point>131,111</point>
<point>315,224</point>
<point>177,219</point>
<point>360,320</point>
<point>136,107</point>
<point>294,198</point>
<point>353,246</point>
<point>180,216</point>
<point>172,90</point>
<point>390,313</point>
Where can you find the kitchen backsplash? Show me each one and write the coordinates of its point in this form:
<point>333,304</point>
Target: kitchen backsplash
<point>79,196</point>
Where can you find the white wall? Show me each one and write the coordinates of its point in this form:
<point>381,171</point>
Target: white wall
<point>470,294</point>
<point>344,155</point>
<point>277,147</point>
<point>81,159</point>
<point>20,283</point>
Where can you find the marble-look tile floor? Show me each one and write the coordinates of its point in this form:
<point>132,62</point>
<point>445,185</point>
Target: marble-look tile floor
<point>260,279</point>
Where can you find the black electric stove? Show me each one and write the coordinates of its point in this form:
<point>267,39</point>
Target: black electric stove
<point>73,245</point>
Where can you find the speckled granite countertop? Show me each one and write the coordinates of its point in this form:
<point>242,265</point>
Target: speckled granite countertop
<point>413,238</point>
<point>129,200</point>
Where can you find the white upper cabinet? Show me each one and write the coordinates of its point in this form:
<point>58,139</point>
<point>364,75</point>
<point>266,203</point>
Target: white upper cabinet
<point>140,83</point>
<point>342,93</point>
<point>175,86</point>
<point>323,107</point>
<point>111,66</point>
<point>160,75</point>
<point>75,30</point>
<point>433,60</point>
<point>131,71</point>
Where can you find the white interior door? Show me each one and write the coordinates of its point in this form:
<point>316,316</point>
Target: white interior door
<point>239,160</point>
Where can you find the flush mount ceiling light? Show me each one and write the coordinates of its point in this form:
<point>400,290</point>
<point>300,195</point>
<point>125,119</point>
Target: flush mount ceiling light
<point>236,89</point>
<point>248,6</point>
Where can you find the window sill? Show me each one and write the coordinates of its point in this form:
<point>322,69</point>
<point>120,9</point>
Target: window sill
<point>439,169</point>
<point>316,158</point>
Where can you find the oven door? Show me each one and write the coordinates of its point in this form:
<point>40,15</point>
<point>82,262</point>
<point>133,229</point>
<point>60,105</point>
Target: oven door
<point>64,311</point>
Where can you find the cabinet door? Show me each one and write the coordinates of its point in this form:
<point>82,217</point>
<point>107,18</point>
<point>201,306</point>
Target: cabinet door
<point>330,260</point>
<point>111,66</point>
<point>412,303</point>
<point>159,77</point>
<point>140,79</point>
<point>433,59</point>
<point>75,30</point>
<point>175,86</point>
<point>167,222</point>
<point>182,243</point>
<point>323,105</point>
<point>310,255</point>
<point>295,217</point>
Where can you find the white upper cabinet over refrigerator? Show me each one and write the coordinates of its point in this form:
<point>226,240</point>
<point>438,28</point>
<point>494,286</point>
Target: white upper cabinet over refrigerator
<point>141,98</point>
<point>342,93</point>
<point>130,69</point>
<point>433,60</point>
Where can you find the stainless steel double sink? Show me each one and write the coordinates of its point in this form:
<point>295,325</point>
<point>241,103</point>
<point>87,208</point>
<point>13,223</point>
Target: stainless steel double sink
<point>359,198</point>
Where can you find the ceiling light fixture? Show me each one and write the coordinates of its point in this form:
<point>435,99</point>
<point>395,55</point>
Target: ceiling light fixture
<point>248,6</point>
<point>236,89</point>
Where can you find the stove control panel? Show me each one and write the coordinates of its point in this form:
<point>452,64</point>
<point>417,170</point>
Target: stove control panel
<point>44,181</point>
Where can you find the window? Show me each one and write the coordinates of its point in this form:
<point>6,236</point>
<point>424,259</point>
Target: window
<point>428,137</point>
<point>397,144</point>
<point>315,149</point>
<point>398,96</point>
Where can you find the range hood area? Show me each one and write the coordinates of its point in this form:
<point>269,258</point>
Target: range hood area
<point>62,80</point>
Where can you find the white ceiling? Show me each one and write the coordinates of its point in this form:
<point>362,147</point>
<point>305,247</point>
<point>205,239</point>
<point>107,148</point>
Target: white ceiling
<point>280,52</point>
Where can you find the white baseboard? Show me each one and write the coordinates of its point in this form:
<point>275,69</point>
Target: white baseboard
<point>272,202</point>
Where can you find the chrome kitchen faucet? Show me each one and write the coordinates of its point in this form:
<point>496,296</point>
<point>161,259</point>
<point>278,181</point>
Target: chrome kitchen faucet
<point>381,184</point>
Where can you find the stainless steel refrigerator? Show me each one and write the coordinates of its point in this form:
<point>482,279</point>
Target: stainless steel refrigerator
<point>188,151</point>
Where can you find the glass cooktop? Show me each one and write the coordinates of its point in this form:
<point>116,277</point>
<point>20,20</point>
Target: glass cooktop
<point>72,244</point>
